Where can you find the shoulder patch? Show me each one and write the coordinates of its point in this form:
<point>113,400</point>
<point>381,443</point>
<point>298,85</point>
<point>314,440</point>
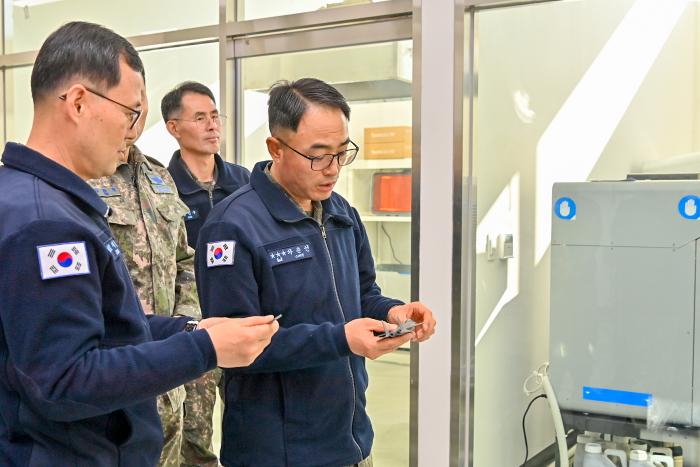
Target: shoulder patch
<point>158,184</point>
<point>155,179</point>
<point>107,191</point>
<point>221,253</point>
<point>161,189</point>
<point>113,248</point>
<point>62,260</point>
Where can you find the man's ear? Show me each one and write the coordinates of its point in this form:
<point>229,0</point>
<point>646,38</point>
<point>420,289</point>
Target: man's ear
<point>172,129</point>
<point>274,148</point>
<point>75,102</point>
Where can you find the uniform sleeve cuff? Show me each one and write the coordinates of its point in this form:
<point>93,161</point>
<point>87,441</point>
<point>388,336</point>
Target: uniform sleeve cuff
<point>206,346</point>
<point>341,341</point>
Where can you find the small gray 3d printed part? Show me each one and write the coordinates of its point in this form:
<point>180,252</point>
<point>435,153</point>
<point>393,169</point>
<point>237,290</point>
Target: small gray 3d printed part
<point>403,328</point>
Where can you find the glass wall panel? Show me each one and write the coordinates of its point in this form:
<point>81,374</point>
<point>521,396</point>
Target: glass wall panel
<point>18,104</point>
<point>165,69</point>
<point>253,9</point>
<point>28,22</point>
<point>376,80</point>
<point>596,278</point>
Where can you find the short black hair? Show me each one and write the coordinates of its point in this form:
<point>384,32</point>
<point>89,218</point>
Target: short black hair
<point>172,101</point>
<point>289,100</point>
<point>82,49</point>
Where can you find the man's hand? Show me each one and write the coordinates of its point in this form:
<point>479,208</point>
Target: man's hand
<point>418,313</point>
<point>363,342</point>
<point>239,341</point>
<point>211,322</point>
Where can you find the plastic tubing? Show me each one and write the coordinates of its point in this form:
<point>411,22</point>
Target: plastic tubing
<point>558,423</point>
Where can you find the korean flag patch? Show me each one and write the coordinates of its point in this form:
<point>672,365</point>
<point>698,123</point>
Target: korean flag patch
<point>62,260</point>
<point>220,253</point>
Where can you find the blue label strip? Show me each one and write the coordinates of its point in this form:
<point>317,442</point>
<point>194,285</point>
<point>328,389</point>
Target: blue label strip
<point>614,396</point>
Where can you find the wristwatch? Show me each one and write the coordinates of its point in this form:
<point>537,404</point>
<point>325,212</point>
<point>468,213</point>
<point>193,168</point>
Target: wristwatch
<point>191,325</point>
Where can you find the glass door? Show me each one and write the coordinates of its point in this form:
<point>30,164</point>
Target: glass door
<point>375,78</point>
<point>567,93</point>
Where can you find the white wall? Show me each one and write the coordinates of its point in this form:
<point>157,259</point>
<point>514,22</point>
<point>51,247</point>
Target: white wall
<point>26,28</point>
<point>542,52</point>
<point>252,9</point>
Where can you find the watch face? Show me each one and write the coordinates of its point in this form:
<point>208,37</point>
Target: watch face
<point>191,326</point>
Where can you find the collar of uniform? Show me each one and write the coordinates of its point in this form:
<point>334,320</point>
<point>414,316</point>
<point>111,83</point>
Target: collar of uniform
<point>130,167</point>
<point>187,185</point>
<point>138,157</point>
<point>281,206</point>
<point>27,160</point>
<point>316,207</point>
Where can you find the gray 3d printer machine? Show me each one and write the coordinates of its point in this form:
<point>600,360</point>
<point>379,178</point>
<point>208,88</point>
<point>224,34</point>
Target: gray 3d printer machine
<point>624,324</point>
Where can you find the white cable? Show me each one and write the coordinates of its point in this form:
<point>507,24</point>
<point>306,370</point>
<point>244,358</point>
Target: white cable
<point>536,375</point>
<point>542,382</point>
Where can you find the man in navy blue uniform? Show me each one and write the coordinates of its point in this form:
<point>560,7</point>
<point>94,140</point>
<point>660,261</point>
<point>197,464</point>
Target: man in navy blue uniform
<point>295,247</point>
<point>81,363</point>
<point>202,177</point>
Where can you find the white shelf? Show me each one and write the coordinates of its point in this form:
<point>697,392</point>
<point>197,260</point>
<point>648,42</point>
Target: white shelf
<point>383,218</point>
<point>376,164</point>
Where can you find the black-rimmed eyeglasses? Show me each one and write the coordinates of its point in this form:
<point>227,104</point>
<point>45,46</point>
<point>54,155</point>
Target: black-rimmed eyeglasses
<point>324,161</point>
<point>133,116</point>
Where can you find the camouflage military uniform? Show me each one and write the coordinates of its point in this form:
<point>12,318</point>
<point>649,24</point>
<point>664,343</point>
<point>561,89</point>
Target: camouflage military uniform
<point>147,221</point>
<point>197,449</point>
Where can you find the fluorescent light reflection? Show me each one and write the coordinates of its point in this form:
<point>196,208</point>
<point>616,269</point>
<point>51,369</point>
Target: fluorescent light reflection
<point>576,137</point>
<point>521,104</point>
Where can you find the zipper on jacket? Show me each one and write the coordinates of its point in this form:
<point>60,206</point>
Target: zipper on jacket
<point>337,299</point>
<point>211,197</point>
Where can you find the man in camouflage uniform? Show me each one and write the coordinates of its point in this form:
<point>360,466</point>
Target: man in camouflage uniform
<point>147,221</point>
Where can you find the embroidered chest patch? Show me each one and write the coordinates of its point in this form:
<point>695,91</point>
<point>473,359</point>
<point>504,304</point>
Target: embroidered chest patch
<point>192,215</point>
<point>289,254</point>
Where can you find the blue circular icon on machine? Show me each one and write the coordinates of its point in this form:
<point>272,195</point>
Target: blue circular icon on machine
<point>565,208</point>
<point>689,207</point>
